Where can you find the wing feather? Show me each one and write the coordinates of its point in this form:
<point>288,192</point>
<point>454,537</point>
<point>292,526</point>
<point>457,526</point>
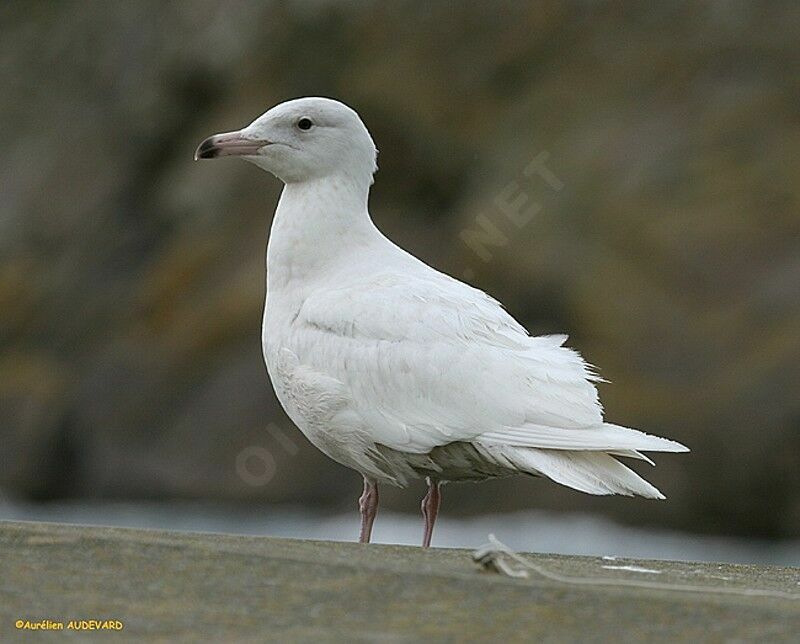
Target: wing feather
<point>429,360</point>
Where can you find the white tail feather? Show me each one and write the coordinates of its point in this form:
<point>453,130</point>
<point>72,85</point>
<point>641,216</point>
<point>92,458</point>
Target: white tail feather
<point>588,471</point>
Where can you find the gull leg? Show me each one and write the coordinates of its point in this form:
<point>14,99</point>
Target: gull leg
<point>368,506</point>
<point>430,508</point>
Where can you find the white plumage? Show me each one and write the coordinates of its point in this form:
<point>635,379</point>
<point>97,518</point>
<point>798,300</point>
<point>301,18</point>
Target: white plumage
<point>393,368</point>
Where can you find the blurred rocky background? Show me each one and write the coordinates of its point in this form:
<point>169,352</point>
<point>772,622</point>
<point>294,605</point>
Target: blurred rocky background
<point>660,228</point>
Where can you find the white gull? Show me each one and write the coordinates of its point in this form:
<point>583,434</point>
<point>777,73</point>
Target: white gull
<point>389,366</point>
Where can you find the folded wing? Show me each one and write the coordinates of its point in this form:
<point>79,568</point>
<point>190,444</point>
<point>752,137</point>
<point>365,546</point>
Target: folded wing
<point>429,361</point>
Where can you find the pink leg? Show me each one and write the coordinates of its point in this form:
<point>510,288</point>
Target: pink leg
<point>430,508</point>
<point>368,505</point>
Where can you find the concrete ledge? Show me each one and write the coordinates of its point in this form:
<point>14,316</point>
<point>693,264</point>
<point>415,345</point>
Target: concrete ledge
<point>208,587</point>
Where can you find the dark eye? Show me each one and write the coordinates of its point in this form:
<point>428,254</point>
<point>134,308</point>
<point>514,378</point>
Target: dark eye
<point>305,124</point>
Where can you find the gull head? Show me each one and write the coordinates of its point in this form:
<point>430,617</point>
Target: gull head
<point>301,140</point>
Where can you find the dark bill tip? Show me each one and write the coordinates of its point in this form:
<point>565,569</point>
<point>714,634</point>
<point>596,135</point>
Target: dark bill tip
<point>207,149</point>
<point>228,144</point>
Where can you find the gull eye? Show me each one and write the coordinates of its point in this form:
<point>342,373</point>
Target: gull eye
<point>305,124</point>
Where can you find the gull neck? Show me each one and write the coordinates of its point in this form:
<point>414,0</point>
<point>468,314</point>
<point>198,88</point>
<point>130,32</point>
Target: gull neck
<point>318,223</point>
